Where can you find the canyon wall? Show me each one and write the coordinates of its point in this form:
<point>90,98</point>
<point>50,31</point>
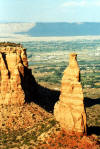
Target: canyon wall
<point>13,60</point>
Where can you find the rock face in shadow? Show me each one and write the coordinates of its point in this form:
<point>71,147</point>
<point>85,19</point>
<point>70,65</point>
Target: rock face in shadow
<point>13,60</point>
<point>17,84</point>
<point>69,110</point>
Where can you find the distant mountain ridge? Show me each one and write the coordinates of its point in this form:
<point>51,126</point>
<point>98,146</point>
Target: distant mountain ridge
<point>53,29</point>
<point>64,29</point>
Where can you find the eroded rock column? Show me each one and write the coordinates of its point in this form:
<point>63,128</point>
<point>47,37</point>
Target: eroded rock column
<point>13,61</point>
<point>69,110</point>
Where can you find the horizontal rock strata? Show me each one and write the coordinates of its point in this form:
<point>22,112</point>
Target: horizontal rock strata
<point>69,110</point>
<point>13,60</point>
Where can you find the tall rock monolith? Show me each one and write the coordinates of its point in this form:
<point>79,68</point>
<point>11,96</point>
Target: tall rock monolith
<point>13,60</point>
<point>69,110</point>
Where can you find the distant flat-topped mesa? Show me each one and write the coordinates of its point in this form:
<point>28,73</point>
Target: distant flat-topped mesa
<point>13,60</point>
<point>69,110</point>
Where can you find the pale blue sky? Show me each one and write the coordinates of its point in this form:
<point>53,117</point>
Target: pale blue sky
<point>50,10</point>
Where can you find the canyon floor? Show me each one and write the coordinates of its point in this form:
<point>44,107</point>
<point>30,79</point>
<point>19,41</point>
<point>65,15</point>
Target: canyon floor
<point>32,127</point>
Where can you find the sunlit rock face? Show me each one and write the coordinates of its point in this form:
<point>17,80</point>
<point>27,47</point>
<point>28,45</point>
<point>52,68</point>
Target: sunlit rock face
<point>69,110</point>
<point>13,60</point>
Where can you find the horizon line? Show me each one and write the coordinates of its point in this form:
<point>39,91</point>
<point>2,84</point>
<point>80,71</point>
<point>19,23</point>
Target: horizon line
<point>78,22</point>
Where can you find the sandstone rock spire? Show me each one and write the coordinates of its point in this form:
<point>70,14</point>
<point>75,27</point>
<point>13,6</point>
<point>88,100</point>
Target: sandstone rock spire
<point>69,110</point>
<point>13,60</point>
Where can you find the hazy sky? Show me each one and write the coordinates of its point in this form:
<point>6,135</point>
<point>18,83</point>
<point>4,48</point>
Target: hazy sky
<point>50,10</point>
